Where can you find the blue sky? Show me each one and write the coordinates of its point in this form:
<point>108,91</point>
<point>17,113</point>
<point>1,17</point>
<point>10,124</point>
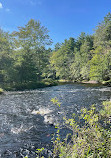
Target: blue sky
<point>63,18</point>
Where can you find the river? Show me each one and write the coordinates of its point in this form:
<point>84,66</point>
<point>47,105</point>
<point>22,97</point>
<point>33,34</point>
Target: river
<point>27,118</point>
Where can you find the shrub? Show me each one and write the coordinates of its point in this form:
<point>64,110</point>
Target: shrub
<point>49,82</point>
<point>92,140</point>
<point>1,91</point>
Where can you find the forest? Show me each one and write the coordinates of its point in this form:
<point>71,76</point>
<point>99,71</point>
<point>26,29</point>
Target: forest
<point>27,61</point>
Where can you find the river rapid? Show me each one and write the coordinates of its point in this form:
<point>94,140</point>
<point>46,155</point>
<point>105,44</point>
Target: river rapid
<point>27,118</point>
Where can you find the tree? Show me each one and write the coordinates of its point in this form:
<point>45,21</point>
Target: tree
<point>79,68</point>
<point>33,35</point>
<point>57,46</point>
<point>31,41</point>
<point>80,40</point>
<point>75,67</point>
<point>97,65</point>
<point>6,60</point>
<point>62,59</point>
<point>103,32</point>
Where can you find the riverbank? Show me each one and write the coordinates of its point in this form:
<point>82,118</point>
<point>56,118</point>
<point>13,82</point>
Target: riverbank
<point>29,85</point>
<point>46,83</point>
<point>84,81</point>
<point>106,83</point>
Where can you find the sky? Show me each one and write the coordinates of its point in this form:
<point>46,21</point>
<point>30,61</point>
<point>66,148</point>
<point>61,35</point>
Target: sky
<point>63,18</point>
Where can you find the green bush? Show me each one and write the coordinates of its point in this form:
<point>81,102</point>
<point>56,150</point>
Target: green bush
<point>49,82</point>
<point>30,85</point>
<point>1,91</point>
<point>92,140</point>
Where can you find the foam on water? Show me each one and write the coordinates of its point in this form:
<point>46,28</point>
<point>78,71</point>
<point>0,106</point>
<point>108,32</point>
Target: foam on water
<point>49,119</point>
<point>16,130</point>
<point>42,111</point>
<point>105,89</point>
<point>47,113</point>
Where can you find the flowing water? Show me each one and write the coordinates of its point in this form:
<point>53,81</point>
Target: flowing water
<point>27,118</point>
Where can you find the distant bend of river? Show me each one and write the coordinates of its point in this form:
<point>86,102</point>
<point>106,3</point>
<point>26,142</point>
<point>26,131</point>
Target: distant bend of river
<point>27,117</point>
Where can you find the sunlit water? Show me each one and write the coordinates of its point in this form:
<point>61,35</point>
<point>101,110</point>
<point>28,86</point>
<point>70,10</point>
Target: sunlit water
<point>27,118</point>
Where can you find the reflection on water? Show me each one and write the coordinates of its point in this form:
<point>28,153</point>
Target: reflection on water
<point>27,118</point>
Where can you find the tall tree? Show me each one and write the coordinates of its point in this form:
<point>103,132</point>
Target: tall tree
<point>103,32</point>
<point>6,61</point>
<point>62,59</point>
<point>31,41</point>
<point>32,35</point>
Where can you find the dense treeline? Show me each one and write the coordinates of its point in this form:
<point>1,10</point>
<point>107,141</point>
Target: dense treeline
<point>86,58</point>
<point>24,57</point>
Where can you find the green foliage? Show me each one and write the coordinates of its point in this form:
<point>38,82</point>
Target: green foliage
<point>55,101</point>
<point>91,140</point>
<point>32,35</point>
<point>98,65</point>
<point>1,91</point>
<point>24,58</point>
<point>69,61</point>
<point>6,61</point>
<point>75,67</point>
<point>39,152</point>
<point>87,58</point>
<point>62,59</point>
<point>31,40</point>
<point>49,82</point>
<point>103,32</point>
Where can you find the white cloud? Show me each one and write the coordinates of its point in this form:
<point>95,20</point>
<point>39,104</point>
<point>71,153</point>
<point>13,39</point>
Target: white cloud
<point>7,10</point>
<point>1,6</point>
<point>34,3</point>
